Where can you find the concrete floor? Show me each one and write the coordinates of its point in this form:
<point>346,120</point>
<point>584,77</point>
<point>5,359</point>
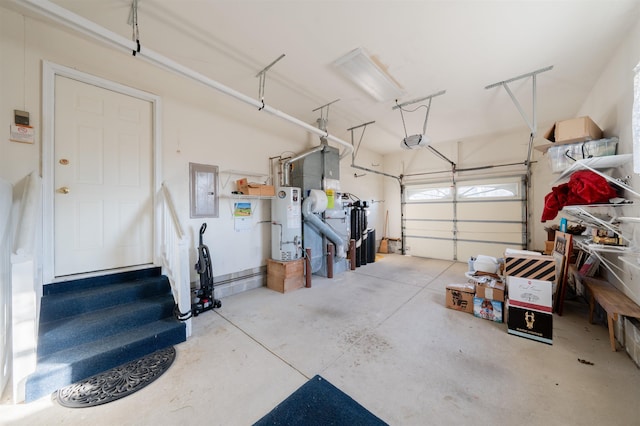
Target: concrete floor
<point>382,335</point>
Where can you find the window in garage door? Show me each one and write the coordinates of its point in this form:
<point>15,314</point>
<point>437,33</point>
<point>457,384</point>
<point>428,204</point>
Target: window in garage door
<point>455,221</point>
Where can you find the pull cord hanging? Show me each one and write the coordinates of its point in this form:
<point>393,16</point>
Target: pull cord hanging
<point>263,77</point>
<point>134,26</point>
<point>261,89</point>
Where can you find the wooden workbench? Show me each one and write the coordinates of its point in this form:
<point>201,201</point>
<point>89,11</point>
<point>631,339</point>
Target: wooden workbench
<point>612,300</point>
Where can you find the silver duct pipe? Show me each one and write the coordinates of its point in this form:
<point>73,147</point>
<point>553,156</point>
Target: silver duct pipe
<point>287,163</point>
<point>323,228</point>
<point>78,23</point>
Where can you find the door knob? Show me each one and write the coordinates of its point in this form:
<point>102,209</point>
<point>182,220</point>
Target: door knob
<point>64,190</point>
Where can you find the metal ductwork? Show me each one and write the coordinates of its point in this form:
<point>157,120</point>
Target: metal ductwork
<point>308,206</point>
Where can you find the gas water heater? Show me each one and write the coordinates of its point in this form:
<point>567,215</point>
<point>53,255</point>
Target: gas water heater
<point>286,225</point>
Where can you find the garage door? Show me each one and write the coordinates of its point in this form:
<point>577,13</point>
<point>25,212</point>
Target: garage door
<point>456,221</point>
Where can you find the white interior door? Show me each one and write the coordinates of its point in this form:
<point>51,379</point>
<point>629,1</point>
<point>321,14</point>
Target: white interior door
<point>103,179</point>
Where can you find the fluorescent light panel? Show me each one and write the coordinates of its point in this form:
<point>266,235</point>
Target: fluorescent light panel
<point>358,67</point>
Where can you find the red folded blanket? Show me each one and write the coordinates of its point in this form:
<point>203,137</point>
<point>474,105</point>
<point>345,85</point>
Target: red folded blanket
<point>584,187</point>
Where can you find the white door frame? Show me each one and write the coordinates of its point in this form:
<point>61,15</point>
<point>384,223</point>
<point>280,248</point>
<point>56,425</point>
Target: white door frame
<point>49,72</point>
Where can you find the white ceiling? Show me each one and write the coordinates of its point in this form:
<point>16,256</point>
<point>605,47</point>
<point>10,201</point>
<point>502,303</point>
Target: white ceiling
<point>428,46</point>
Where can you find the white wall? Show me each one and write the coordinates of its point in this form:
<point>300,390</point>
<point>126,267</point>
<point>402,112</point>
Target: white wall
<point>199,125</point>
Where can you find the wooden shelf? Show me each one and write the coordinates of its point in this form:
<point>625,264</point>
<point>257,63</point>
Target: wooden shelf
<point>248,197</point>
<point>230,173</point>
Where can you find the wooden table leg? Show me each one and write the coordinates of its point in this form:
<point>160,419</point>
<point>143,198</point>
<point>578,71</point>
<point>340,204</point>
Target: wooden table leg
<point>612,334</point>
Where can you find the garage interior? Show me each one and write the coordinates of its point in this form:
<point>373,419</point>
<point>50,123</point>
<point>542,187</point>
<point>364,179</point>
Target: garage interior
<point>389,197</point>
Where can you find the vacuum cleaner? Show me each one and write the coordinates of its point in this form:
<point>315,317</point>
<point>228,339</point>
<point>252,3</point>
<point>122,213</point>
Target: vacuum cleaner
<point>204,299</point>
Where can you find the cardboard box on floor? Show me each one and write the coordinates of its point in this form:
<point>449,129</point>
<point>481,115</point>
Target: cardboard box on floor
<point>490,288</point>
<point>285,276</point>
<point>548,247</point>
<point>530,294</point>
<point>537,267</point>
<point>487,309</point>
<point>529,323</point>
<point>460,297</point>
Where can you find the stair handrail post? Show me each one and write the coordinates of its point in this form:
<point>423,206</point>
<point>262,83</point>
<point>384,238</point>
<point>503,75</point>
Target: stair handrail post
<point>23,276</point>
<point>184,293</point>
<point>175,256</point>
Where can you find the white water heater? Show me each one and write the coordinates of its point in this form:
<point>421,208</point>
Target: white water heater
<point>286,225</point>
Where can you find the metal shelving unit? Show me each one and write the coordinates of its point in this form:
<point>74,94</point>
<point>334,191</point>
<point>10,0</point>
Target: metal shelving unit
<point>597,164</point>
<point>588,215</point>
<point>605,216</point>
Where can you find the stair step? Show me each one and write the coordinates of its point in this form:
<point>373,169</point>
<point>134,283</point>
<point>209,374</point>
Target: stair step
<point>67,304</point>
<point>91,325</point>
<point>76,363</point>
<point>91,282</point>
<point>97,325</point>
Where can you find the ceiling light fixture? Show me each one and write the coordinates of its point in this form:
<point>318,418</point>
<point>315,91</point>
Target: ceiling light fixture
<point>367,74</point>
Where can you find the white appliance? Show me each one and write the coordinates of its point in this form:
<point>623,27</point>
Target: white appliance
<point>286,225</point>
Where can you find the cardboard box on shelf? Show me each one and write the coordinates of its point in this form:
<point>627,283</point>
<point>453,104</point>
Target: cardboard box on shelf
<point>460,297</point>
<point>530,323</point>
<point>530,294</point>
<point>257,189</point>
<point>574,130</point>
<point>285,276</point>
<point>487,309</point>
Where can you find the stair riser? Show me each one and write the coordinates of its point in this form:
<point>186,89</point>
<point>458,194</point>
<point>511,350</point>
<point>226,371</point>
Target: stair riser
<point>55,308</point>
<point>95,282</point>
<point>39,386</point>
<point>102,327</point>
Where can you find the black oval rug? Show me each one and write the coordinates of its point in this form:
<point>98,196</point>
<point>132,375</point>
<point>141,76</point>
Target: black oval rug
<point>116,383</point>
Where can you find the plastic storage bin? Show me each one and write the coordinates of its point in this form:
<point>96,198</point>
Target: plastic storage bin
<point>562,156</point>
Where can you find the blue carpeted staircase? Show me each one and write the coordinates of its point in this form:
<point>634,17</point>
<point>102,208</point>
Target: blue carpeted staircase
<point>91,325</point>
